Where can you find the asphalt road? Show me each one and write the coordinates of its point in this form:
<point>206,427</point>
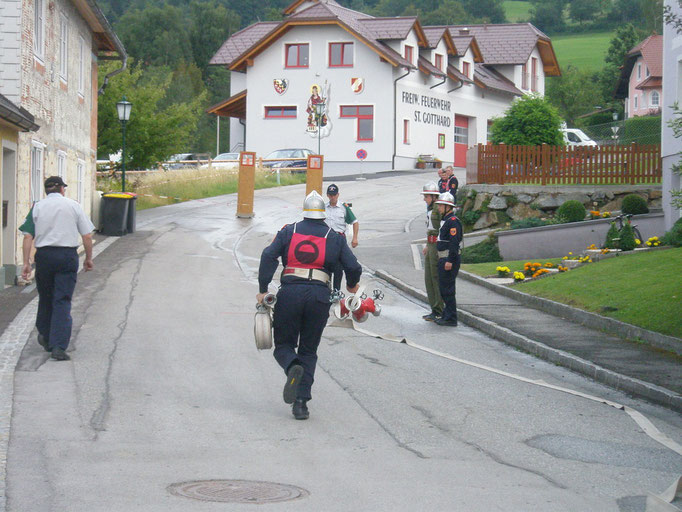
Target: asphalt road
<point>166,386</point>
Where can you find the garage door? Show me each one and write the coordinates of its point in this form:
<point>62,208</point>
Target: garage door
<point>461,140</point>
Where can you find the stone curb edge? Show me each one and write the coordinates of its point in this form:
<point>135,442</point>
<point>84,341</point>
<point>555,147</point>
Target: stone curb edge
<point>613,379</point>
<point>592,320</point>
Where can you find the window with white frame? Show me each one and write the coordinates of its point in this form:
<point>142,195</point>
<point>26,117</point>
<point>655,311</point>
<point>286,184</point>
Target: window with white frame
<point>639,71</point>
<point>643,99</point>
<point>655,99</point>
<point>80,176</point>
<point>61,164</point>
<point>636,102</point>
<point>39,28</point>
<point>647,71</point>
<point>438,61</point>
<point>37,155</point>
<point>524,77</point>
<point>81,66</point>
<point>63,47</point>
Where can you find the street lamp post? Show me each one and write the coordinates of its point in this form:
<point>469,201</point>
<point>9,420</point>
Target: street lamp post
<point>319,111</point>
<point>615,127</point>
<point>123,107</point>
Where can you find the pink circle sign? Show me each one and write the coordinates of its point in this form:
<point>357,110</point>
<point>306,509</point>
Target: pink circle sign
<point>361,154</point>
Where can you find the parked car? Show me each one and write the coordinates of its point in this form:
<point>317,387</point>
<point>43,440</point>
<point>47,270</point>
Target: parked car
<point>576,137</point>
<point>180,161</point>
<point>301,154</point>
<point>224,161</point>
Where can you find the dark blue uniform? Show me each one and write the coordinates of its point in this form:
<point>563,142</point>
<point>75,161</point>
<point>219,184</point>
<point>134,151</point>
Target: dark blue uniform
<point>302,307</point>
<point>448,246</point>
<point>449,185</point>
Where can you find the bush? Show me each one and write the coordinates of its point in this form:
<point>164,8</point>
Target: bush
<point>482,252</point>
<point>530,222</point>
<point>470,217</point>
<point>571,211</point>
<point>611,237</point>
<point>634,204</point>
<point>674,236</point>
<point>627,238</point>
<point>642,130</point>
<point>529,121</point>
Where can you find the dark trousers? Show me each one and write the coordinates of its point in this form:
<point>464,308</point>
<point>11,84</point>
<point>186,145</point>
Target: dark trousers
<point>337,274</point>
<point>56,269</point>
<point>446,283</point>
<point>300,315</point>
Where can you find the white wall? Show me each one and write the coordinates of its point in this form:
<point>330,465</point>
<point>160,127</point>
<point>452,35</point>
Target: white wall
<point>10,49</point>
<point>672,91</point>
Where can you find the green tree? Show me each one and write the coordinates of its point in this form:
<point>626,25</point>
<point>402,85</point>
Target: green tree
<point>155,36</point>
<point>529,121</point>
<point>154,131</point>
<point>583,10</point>
<point>486,11</point>
<point>548,15</point>
<point>450,12</point>
<point>211,25</point>
<point>574,93</point>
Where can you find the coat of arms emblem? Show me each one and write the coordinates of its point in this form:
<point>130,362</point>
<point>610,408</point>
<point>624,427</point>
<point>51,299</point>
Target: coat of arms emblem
<point>357,85</point>
<point>280,85</point>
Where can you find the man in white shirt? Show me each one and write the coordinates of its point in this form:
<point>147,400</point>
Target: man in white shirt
<point>339,215</point>
<point>56,224</point>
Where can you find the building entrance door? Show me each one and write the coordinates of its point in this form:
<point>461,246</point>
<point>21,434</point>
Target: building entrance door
<point>8,204</point>
<point>461,140</point>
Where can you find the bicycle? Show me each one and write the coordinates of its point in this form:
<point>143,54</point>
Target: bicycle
<point>621,223</point>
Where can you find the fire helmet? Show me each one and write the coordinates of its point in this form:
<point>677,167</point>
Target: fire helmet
<point>446,198</point>
<point>430,188</point>
<point>313,206</point>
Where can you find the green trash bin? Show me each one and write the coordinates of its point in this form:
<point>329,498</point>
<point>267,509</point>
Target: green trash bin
<point>115,213</point>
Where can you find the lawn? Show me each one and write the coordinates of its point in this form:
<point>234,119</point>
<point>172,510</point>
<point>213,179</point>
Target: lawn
<point>516,11</point>
<point>164,188</point>
<point>641,289</point>
<point>583,51</point>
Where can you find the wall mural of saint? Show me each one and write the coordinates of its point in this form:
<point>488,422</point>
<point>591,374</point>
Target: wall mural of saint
<point>318,96</point>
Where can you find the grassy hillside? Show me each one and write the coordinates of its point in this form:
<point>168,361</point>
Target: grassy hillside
<point>516,10</point>
<point>583,51</point>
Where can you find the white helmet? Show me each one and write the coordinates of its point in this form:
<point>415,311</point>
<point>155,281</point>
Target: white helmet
<point>430,188</point>
<point>446,198</point>
<point>313,206</point>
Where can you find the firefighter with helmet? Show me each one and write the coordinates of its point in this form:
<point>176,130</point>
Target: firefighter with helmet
<point>448,246</point>
<point>309,251</point>
<point>433,216</point>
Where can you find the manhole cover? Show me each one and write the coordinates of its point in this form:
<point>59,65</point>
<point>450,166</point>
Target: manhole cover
<point>237,491</point>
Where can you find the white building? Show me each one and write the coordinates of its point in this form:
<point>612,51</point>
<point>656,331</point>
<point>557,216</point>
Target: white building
<point>387,86</point>
<point>49,51</point>
<point>672,92</point>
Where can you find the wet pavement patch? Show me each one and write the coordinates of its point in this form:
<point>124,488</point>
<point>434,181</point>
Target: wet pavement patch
<point>238,491</point>
<point>610,454</point>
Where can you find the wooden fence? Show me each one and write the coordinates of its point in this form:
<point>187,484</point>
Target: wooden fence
<point>569,165</point>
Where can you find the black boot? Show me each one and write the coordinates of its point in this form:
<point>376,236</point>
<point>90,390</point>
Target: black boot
<point>294,374</point>
<point>300,409</point>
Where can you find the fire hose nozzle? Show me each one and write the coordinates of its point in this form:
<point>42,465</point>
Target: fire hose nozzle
<point>270,300</point>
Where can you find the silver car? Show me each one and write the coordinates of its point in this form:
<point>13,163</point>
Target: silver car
<point>224,161</point>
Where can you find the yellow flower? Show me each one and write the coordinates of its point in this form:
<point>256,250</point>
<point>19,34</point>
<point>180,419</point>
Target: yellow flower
<point>638,241</point>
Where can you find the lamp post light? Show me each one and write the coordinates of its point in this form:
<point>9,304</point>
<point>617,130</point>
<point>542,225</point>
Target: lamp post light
<point>123,107</point>
<point>615,127</point>
<point>319,112</point>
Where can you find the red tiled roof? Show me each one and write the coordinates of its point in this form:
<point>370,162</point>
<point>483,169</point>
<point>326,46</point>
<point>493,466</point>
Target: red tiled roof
<point>653,82</point>
<point>388,28</point>
<point>508,43</point>
<point>426,67</point>
<point>241,41</point>
<point>651,50</point>
<point>456,74</point>
<point>462,44</point>
<point>491,79</point>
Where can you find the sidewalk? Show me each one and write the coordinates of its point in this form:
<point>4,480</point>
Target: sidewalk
<point>636,368</point>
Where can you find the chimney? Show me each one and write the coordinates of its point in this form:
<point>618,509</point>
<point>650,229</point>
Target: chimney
<point>464,31</point>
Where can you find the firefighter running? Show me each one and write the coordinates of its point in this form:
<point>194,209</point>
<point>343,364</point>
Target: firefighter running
<point>309,251</point>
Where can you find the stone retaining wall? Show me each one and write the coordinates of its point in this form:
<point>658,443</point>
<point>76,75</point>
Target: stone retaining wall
<point>498,204</point>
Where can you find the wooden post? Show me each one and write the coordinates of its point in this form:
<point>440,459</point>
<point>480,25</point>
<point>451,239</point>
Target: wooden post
<point>246,184</point>
<point>502,164</point>
<point>545,163</point>
<point>314,174</point>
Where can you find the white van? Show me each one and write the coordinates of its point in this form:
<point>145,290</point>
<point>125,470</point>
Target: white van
<point>576,137</point>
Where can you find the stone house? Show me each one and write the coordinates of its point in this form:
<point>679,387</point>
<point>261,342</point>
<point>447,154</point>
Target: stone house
<point>49,50</point>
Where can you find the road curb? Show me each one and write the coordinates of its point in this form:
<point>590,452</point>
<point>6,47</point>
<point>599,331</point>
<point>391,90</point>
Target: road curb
<point>592,320</point>
<point>613,379</point>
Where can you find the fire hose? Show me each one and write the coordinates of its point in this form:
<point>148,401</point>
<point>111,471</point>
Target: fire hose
<point>262,324</point>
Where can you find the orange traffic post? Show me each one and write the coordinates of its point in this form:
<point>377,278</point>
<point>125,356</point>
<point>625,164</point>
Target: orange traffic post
<point>246,184</point>
<point>314,174</point>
